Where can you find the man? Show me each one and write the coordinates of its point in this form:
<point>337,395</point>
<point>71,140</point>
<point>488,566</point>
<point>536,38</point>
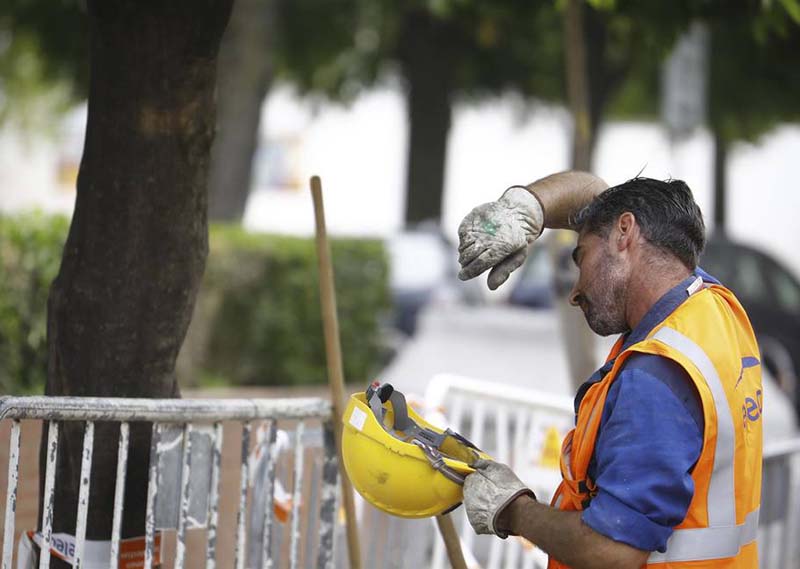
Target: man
<point>663,467</point>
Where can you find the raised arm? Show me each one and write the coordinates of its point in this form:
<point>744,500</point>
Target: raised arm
<point>496,235</point>
<point>564,194</point>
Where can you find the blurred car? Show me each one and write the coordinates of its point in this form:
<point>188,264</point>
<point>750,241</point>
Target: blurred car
<point>418,262</point>
<point>766,289</point>
<point>534,287</point>
<point>423,265</point>
<point>771,296</point>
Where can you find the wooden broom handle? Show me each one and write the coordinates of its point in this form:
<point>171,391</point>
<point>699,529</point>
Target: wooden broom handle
<point>451,541</point>
<point>333,352</point>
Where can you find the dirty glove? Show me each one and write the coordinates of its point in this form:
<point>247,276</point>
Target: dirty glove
<point>487,492</point>
<point>497,234</point>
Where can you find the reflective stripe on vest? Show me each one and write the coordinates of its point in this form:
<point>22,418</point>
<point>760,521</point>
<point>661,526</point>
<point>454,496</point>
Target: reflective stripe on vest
<point>722,538</point>
<point>702,544</point>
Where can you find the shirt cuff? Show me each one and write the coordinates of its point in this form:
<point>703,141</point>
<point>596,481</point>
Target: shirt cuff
<point>612,518</point>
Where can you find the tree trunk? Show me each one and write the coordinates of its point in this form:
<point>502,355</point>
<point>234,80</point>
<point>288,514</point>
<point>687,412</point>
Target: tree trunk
<point>245,73</point>
<point>427,67</point>
<point>602,79</point>
<point>720,181</point>
<point>578,338</point>
<point>120,306</point>
<point>578,85</point>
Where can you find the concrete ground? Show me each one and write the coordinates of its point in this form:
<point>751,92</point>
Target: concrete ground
<point>499,343</point>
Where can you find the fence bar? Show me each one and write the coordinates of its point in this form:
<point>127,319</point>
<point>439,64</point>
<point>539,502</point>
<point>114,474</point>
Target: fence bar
<point>241,537</point>
<point>778,449</point>
<point>186,467</point>
<point>83,492</point>
<point>11,495</point>
<point>788,549</point>
<point>213,501</point>
<point>311,527</point>
<point>369,520</point>
<point>299,450</point>
<point>49,494</point>
<point>327,505</point>
<point>162,410</point>
<point>478,418</point>
<point>119,492</point>
<point>152,494</point>
<point>269,493</point>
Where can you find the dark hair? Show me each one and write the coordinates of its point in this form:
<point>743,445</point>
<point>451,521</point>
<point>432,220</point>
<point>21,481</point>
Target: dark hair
<point>669,218</point>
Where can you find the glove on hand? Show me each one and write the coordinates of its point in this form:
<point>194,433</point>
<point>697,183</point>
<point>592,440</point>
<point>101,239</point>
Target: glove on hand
<point>497,234</point>
<point>487,491</point>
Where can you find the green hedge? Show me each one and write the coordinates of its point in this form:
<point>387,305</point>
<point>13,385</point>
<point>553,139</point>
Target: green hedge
<point>257,320</point>
<point>30,254</point>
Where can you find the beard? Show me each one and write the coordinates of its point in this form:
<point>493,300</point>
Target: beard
<point>604,304</point>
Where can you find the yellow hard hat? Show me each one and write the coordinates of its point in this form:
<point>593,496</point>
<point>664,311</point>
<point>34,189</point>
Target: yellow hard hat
<point>397,461</point>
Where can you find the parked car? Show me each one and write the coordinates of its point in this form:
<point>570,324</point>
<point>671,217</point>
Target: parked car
<point>423,264</point>
<point>418,263</point>
<point>771,296</point>
<point>534,287</point>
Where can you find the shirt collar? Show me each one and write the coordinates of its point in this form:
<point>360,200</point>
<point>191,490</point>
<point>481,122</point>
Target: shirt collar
<point>663,307</point>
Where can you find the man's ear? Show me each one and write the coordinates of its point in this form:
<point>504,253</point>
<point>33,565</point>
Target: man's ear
<point>627,230</point>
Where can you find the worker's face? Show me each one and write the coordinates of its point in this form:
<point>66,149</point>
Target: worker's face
<point>602,283</point>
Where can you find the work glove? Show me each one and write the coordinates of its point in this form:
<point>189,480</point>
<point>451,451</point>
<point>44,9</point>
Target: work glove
<point>496,235</point>
<point>487,492</point>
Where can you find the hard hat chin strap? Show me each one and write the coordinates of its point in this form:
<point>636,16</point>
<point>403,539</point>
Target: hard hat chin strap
<point>437,462</point>
<point>428,440</point>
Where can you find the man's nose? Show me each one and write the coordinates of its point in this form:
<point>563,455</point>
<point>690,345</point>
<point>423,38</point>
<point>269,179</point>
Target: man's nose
<point>574,296</point>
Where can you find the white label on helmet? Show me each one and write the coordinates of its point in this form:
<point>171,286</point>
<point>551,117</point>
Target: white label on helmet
<point>357,418</point>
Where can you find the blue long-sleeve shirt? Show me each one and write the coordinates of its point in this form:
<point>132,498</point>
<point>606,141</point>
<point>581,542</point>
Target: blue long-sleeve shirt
<point>650,437</point>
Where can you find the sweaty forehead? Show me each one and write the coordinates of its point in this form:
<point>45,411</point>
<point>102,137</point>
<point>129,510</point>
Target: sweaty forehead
<point>586,241</point>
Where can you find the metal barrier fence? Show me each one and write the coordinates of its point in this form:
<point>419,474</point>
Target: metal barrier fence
<point>184,476</point>
<point>779,522</point>
<point>518,426</point>
<point>524,428</point>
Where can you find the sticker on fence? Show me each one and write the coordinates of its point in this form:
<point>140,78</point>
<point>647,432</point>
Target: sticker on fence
<point>96,554</point>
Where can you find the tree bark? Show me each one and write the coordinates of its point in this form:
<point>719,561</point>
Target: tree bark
<point>578,86</point>
<point>578,338</point>
<point>132,264</point>
<point>720,182</point>
<point>427,67</point>
<point>602,79</point>
<point>245,72</point>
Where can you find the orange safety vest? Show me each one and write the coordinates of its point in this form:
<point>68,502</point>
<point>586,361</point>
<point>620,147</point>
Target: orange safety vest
<point>710,336</point>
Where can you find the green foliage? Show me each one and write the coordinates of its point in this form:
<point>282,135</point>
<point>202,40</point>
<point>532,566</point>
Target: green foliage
<point>792,8</point>
<point>258,318</point>
<point>44,63</point>
<point>602,4</point>
<point>754,78</point>
<point>627,42</point>
<point>30,254</point>
<point>336,48</point>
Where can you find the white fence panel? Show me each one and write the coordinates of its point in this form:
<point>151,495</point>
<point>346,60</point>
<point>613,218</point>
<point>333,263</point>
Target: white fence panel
<point>184,481</point>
